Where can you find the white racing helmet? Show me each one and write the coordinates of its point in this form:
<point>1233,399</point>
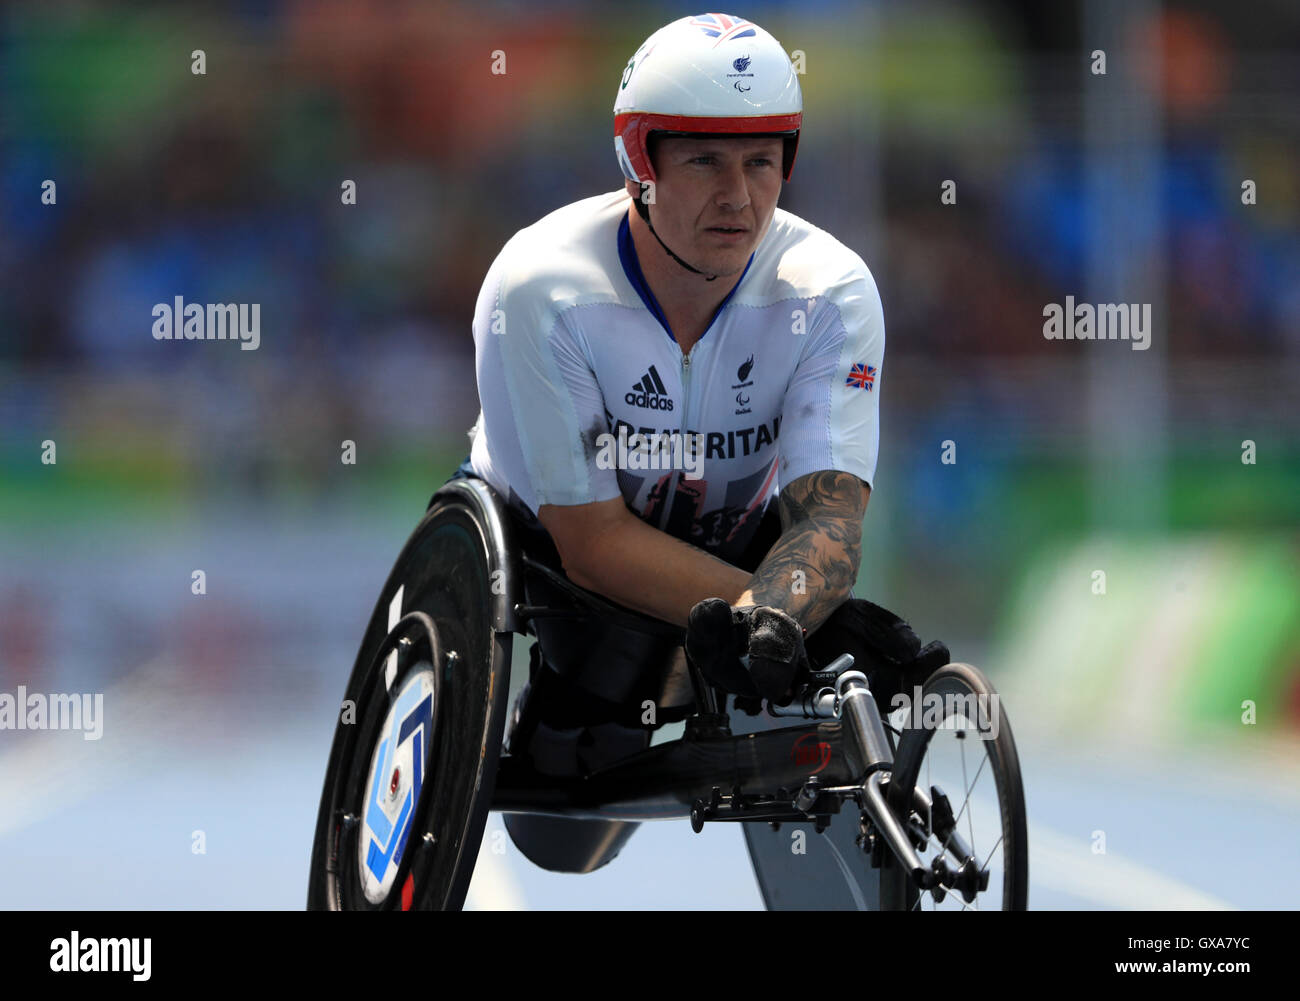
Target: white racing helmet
<point>711,74</point>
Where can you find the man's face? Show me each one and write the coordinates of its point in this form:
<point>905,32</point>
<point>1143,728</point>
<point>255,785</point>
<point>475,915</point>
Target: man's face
<point>714,198</point>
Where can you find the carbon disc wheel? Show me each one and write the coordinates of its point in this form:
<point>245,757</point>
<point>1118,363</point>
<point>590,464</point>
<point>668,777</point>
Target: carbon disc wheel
<point>413,764</point>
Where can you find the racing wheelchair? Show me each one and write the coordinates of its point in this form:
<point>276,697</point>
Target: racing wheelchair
<point>848,802</point>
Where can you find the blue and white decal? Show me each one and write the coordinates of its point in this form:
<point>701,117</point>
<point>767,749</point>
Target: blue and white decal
<point>394,782</point>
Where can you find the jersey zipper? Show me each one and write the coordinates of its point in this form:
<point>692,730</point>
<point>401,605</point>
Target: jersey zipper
<point>671,493</point>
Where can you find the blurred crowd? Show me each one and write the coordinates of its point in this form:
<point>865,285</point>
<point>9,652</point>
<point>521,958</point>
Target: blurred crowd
<point>225,187</point>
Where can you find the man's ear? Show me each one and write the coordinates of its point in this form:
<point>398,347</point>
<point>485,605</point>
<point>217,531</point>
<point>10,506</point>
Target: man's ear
<point>632,188</point>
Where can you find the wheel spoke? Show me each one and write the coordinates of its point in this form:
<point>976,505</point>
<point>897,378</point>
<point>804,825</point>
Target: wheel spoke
<point>929,785</point>
<point>968,782</point>
<point>995,848</point>
<point>938,848</point>
<point>970,817</point>
<point>992,850</point>
<point>929,814</point>
<point>966,801</point>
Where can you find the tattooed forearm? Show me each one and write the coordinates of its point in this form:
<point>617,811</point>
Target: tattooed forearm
<point>813,566</point>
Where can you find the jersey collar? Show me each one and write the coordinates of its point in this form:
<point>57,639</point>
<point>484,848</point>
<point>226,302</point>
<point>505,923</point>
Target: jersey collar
<point>632,268</point>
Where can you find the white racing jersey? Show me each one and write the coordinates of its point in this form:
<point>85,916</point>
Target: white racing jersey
<point>586,395</point>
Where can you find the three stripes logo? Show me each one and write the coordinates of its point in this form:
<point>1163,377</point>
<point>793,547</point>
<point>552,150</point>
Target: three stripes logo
<point>650,393</point>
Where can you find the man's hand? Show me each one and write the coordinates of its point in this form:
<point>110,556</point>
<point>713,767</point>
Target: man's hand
<point>718,635</point>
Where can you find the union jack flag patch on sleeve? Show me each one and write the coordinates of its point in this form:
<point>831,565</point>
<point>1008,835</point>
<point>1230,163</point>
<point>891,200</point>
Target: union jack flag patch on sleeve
<point>862,376</point>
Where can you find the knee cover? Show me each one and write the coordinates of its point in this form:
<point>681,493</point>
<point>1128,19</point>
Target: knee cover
<point>570,752</point>
<point>567,731</point>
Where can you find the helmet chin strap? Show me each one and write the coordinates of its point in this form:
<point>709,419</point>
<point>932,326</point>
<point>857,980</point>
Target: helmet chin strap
<point>643,211</point>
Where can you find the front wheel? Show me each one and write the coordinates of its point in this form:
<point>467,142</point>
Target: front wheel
<point>956,748</point>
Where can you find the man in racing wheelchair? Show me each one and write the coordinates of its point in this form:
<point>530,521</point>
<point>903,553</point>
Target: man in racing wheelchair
<point>590,682</point>
<point>685,309</point>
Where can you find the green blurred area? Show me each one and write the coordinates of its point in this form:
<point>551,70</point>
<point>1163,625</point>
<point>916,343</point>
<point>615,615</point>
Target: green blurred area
<point>98,483</point>
<point>1033,505</point>
<point>100,81</point>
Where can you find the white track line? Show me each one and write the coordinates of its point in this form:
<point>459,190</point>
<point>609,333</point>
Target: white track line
<point>1068,865</point>
<point>49,771</point>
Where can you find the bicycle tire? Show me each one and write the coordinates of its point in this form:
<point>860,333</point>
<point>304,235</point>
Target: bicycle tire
<point>964,680</point>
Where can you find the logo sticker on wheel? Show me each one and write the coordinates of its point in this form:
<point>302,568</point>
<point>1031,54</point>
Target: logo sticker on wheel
<point>393,784</point>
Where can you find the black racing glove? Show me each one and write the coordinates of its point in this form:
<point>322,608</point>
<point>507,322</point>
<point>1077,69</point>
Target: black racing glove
<point>883,646</point>
<point>717,636</point>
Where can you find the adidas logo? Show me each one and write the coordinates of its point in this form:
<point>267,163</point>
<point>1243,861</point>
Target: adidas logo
<point>650,393</point>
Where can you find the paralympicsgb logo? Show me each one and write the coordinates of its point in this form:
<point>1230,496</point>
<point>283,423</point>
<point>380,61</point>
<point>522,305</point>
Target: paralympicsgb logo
<point>740,66</point>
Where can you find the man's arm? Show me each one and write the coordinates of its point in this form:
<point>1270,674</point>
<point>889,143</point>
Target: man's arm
<point>607,549</point>
<point>821,535</point>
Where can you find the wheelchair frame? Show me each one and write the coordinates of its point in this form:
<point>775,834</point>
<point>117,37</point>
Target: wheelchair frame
<point>676,779</point>
<point>709,774</point>
<point>838,751</point>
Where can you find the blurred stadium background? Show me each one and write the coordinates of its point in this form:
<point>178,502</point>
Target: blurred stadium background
<point>1072,457</point>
